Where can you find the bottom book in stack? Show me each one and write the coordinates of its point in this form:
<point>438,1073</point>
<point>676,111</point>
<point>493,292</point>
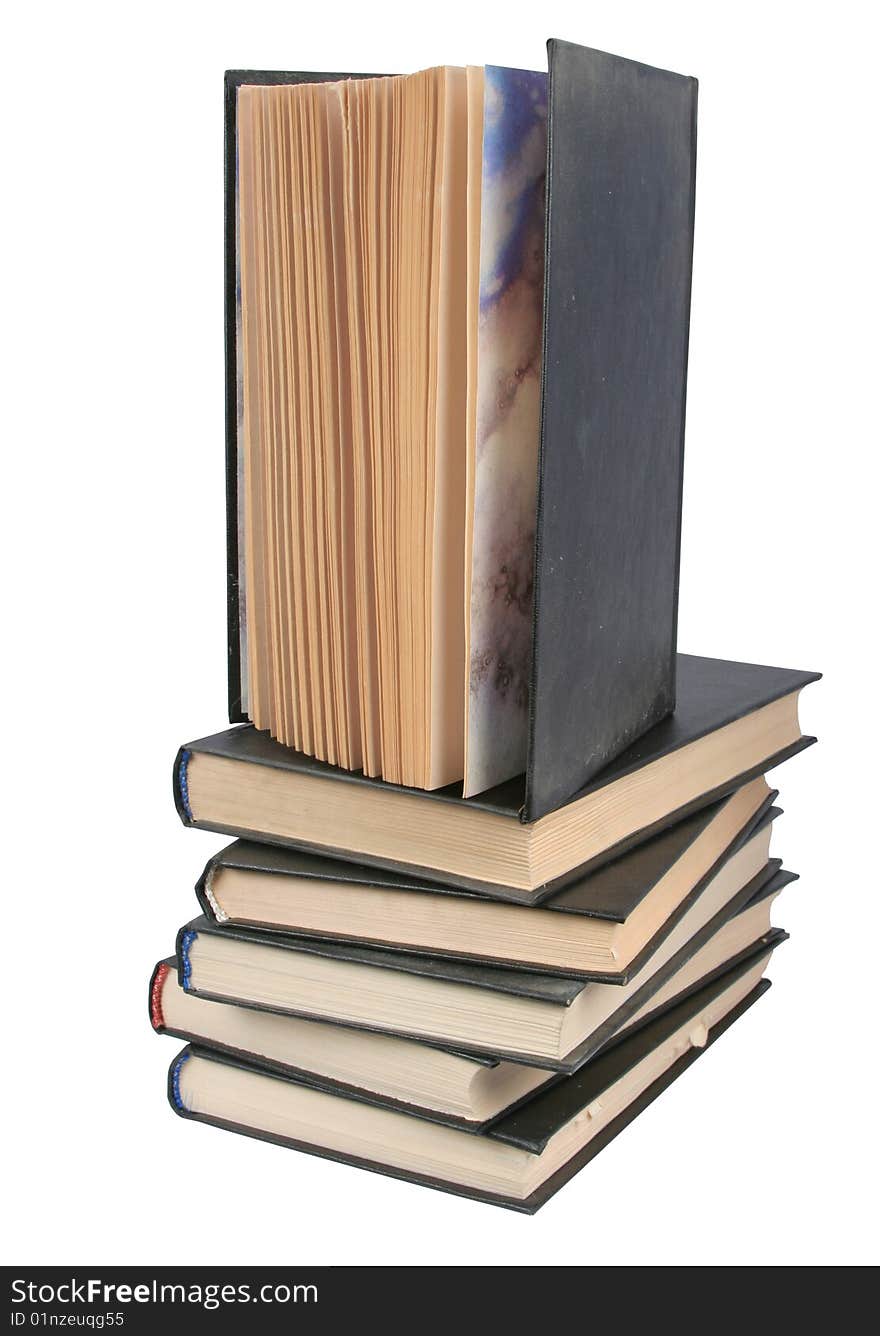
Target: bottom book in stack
<point>521,1159</point>
<point>324,1046</point>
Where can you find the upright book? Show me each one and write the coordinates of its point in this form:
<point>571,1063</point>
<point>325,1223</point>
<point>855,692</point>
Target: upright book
<point>455,412</point>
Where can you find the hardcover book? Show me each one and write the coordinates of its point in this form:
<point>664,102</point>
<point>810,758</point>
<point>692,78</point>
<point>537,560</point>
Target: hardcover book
<point>542,1020</point>
<point>732,722</point>
<point>521,1160</point>
<point>457,309</point>
<point>604,926</point>
<point>442,1084</point>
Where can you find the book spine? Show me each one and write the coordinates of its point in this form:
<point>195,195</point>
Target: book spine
<point>185,939</point>
<point>684,375</point>
<point>175,1099</point>
<point>181,787</point>
<point>208,902</point>
<point>233,611</point>
<point>157,984</point>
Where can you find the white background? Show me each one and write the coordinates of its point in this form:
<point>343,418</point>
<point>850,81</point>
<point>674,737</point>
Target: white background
<point>114,619</point>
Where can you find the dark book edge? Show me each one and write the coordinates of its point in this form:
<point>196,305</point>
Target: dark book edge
<point>637,631</point>
<point>765,944</point>
<point>684,377</point>
<point>530,1128</point>
<point>230,285</point>
<point>641,753</point>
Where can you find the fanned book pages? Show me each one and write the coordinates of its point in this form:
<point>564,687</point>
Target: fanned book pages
<point>457,336</point>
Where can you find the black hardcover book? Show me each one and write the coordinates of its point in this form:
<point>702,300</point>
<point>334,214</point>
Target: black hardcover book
<point>541,1020</point>
<point>617,916</point>
<point>732,722</point>
<point>617,206</point>
<point>445,1085</point>
<point>518,1162</point>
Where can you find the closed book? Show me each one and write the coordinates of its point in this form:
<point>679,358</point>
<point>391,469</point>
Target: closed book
<point>445,1085</point>
<point>603,927</point>
<point>732,722</point>
<point>521,1160</point>
<point>538,1019</point>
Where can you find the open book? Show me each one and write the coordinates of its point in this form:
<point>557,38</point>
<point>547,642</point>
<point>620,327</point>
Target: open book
<point>421,493</point>
<point>391,243</point>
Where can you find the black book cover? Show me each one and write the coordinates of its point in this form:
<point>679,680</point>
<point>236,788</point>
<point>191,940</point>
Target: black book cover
<point>547,988</point>
<point>712,693</point>
<point>531,1126</point>
<point>621,165</point>
<point>613,892</point>
<point>619,238</point>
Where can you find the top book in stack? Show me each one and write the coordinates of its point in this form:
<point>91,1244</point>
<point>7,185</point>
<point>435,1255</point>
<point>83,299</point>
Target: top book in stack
<point>457,330</point>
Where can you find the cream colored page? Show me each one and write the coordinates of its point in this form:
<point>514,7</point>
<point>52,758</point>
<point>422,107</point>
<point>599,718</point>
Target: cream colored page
<point>407,516</point>
<point>422,559</point>
<point>366,593</point>
<point>327,537</point>
<point>285,437</point>
<point>307,705</point>
<point>507,424</point>
<point>267,353</point>
<point>446,744</point>
<point>371,108</point>
<point>475,97</point>
<point>398,218</point>
<point>354,407</point>
<point>252,566</point>
<point>315,444</point>
<point>345,390</point>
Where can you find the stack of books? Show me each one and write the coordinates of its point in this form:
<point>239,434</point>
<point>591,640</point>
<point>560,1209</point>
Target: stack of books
<point>502,860</point>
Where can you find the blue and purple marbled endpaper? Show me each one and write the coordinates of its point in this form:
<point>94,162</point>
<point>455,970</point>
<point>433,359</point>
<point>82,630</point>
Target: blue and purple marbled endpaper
<point>508,423</point>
